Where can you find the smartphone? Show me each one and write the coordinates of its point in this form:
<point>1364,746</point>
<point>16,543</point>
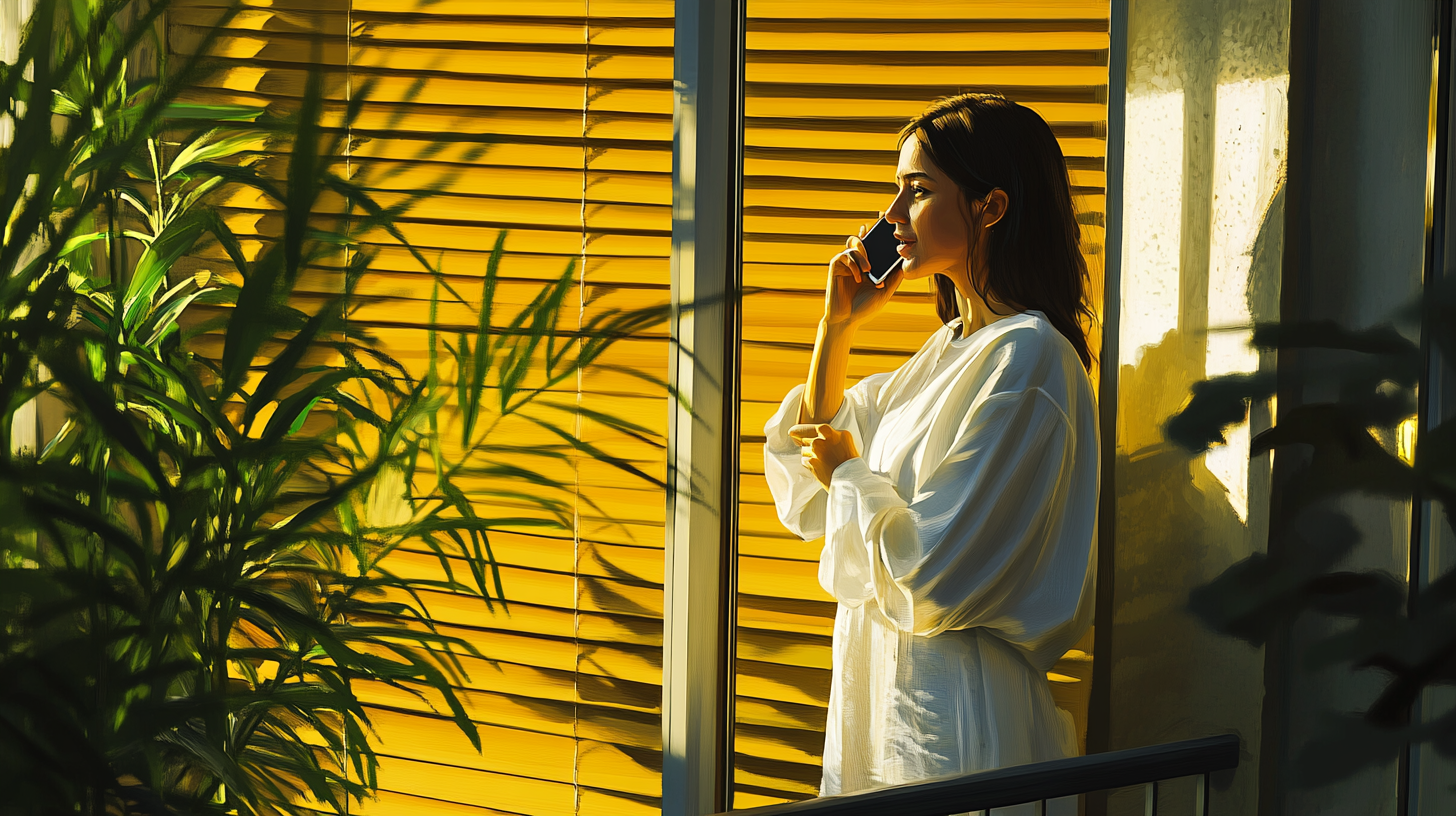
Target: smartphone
<point>881,246</point>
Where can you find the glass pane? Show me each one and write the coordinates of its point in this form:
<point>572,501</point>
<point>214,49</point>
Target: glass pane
<point>1202,251</point>
<point>550,124</point>
<point>1433,775</point>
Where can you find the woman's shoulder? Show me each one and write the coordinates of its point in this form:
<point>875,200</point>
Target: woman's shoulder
<point>1026,351</point>
<point>1028,338</point>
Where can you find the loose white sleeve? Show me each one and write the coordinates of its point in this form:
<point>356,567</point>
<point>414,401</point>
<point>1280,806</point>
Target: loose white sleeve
<point>989,540</point>
<point>798,496</point>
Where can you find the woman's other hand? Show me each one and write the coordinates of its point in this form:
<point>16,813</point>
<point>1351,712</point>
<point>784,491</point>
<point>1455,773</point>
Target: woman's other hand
<point>824,449</point>
<point>850,297</point>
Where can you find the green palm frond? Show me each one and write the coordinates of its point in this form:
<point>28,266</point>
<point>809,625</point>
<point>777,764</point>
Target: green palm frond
<point>195,570</point>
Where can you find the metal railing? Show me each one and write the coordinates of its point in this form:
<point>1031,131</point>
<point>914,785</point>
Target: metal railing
<point>1034,783</point>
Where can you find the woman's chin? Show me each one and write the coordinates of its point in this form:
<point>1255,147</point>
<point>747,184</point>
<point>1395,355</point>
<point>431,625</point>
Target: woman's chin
<point>912,269</point>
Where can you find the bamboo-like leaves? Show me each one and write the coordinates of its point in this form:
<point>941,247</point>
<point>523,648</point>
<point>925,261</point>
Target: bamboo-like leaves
<point>153,531</point>
<point>195,578</point>
<point>215,145</point>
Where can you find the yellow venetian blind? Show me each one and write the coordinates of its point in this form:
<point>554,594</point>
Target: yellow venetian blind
<point>828,85</point>
<point>551,121</point>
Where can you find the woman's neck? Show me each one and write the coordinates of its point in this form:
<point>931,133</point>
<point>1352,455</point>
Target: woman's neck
<point>976,314</point>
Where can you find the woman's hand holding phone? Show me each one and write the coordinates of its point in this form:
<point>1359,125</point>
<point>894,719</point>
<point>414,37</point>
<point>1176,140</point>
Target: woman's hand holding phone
<point>850,297</point>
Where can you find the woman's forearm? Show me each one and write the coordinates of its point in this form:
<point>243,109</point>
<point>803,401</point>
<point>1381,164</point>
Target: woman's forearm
<point>828,368</point>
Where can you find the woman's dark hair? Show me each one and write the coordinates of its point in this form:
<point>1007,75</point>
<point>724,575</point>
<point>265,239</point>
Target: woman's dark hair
<point>986,142</point>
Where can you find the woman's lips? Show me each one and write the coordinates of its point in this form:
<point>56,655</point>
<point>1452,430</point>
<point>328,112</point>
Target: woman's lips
<point>904,248</point>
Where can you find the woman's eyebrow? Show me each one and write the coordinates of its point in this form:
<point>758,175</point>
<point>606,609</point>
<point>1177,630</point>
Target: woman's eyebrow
<point>914,174</point>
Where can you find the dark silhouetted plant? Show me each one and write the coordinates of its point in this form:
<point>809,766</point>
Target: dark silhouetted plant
<point>1371,376</point>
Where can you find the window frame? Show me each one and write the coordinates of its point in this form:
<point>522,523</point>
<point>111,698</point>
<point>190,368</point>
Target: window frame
<point>1099,713</point>
<point>700,535</point>
<point>701,524</point>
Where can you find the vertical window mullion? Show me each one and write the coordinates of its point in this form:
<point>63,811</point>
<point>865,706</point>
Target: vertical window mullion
<point>1100,709</point>
<point>702,439</point>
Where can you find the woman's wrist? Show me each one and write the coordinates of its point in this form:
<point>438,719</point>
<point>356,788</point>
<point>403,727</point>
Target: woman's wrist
<point>840,466</point>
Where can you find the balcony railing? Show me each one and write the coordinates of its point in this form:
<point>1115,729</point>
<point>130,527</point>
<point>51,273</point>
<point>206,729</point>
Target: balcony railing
<point>1037,782</point>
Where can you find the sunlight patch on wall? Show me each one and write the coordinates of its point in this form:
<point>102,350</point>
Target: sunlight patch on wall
<point>1153,189</point>
<point>1249,125</point>
<point>13,16</point>
<point>1405,440</point>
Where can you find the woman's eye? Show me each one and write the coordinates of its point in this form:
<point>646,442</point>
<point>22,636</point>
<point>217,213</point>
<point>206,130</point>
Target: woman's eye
<point>917,191</point>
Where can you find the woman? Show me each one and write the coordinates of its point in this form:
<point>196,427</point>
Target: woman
<point>959,492</point>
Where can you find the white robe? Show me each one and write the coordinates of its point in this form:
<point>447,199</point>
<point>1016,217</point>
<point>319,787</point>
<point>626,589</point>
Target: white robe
<point>960,547</point>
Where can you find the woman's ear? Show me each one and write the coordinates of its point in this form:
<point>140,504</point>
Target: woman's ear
<point>994,208</point>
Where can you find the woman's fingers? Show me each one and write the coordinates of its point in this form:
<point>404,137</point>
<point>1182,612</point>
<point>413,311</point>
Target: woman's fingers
<point>845,260</point>
<point>823,449</point>
<point>854,262</point>
<point>854,247</point>
<point>806,430</point>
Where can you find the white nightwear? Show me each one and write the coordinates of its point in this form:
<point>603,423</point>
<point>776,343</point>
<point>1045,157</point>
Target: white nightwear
<point>961,548</point>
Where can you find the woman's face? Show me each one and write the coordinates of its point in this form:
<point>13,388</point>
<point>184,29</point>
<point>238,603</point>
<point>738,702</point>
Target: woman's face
<point>930,217</point>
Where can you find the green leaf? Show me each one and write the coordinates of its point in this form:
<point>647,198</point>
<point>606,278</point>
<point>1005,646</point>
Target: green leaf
<point>76,242</point>
<point>1328,334</point>
<point>185,202</point>
<point>1255,597</point>
<point>284,370</point>
<point>291,410</point>
<point>543,313</point>
<point>151,268</point>
<point>63,105</point>
<point>216,113</point>
<point>164,322</point>
<point>255,318</point>
<point>305,167</point>
<point>135,201</point>
<point>303,416</point>
<point>597,453</point>
<point>215,145</point>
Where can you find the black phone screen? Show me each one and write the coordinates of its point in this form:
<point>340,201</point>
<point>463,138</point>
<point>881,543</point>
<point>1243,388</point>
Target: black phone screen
<point>881,246</point>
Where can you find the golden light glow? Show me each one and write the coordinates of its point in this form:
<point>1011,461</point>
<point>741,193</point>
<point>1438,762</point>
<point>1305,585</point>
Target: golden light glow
<point>1405,440</point>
